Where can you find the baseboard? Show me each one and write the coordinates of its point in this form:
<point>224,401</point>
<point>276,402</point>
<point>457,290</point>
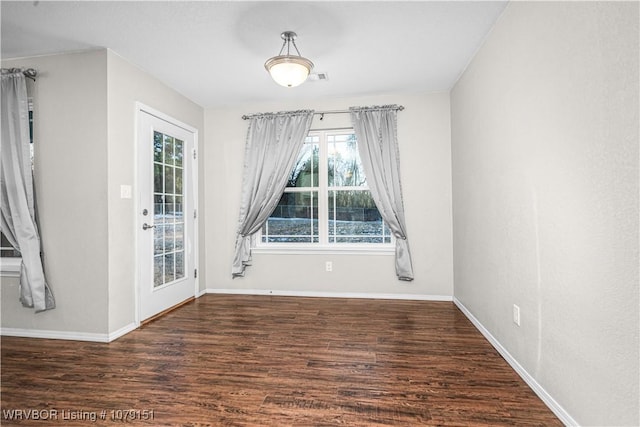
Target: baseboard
<point>317,294</point>
<point>531,382</point>
<point>54,335</point>
<point>122,331</point>
<point>71,336</point>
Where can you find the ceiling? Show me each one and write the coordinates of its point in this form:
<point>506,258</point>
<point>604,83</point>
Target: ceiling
<point>213,51</point>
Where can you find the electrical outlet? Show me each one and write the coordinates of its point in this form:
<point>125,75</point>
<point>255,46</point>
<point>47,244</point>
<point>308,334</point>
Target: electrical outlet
<point>328,266</point>
<point>516,314</point>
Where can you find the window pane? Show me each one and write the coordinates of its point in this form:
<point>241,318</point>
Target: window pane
<point>31,128</point>
<point>169,238</point>
<point>344,165</point>
<point>157,178</point>
<point>7,250</point>
<point>354,218</point>
<point>179,236</point>
<point>178,152</point>
<point>295,219</point>
<point>168,180</point>
<point>168,268</point>
<point>168,150</point>
<point>169,213</point>
<point>177,212</point>
<point>179,265</point>
<point>158,269</point>
<point>179,172</point>
<point>158,239</point>
<point>305,171</point>
<point>158,209</point>
<point>157,147</point>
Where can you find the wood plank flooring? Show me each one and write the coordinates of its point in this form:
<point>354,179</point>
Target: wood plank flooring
<point>274,361</point>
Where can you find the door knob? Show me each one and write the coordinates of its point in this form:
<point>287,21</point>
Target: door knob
<point>146,226</point>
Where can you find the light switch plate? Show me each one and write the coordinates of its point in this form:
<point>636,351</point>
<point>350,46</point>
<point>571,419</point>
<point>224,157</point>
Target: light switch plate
<point>125,191</point>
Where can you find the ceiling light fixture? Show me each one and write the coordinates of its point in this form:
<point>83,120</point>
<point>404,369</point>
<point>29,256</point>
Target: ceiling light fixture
<point>289,70</point>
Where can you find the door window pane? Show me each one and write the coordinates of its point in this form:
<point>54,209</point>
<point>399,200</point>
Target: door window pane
<point>168,208</point>
<point>158,209</point>
<point>179,261</point>
<point>158,239</point>
<point>178,177</point>
<point>178,208</point>
<point>168,180</point>
<point>179,236</point>
<point>168,150</point>
<point>178,152</point>
<point>158,151</point>
<point>169,265</point>
<point>169,238</point>
<point>158,271</point>
<point>158,179</point>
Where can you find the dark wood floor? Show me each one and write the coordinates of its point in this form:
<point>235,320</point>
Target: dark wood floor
<point>275,361</point>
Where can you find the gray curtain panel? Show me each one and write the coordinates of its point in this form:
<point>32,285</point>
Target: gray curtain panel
<point>273,143</point>
<point>17,214</point>
<point>376,132</point>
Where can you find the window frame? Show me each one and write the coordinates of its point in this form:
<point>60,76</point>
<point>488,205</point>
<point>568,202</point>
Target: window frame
<point>324,246</point>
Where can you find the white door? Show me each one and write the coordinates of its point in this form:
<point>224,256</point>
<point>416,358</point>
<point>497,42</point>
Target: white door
<point>166,226</point>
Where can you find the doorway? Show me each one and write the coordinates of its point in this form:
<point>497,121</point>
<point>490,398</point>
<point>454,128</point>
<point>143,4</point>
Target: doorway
<point>166,212</point>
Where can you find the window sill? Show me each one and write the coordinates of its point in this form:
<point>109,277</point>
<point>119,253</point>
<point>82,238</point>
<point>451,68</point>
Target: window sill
<point>323,250</point>
<point>10,267</point>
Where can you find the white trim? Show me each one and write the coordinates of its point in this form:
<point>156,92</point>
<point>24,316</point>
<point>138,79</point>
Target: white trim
<point>309,249</point>
<point>63,335</point>
<point>54,335</point>
<point>548,400</point>
<point>10,267</point>
<point>137,119</point>
<point>319,294</point>
<point>198,213</point>
<point>122,331</point>
<point>162,116</point>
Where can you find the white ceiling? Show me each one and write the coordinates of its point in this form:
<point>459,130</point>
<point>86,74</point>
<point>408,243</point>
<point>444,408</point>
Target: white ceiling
<point>213,51</point>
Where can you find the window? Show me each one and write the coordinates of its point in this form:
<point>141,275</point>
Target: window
<point>168,235</point>
<point>6,250</point>
<point>327,202</point>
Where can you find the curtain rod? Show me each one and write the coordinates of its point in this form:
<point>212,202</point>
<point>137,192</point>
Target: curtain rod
<point>322,113</point>
<point>29,73</point>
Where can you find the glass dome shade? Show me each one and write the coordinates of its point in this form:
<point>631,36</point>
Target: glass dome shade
<point>289,70</point>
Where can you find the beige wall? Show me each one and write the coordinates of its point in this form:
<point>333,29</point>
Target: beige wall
<point>545,199</point>
<point>70,143</point>
<point>424,138</point>
<point>85,113</point>
<point>127,85</point>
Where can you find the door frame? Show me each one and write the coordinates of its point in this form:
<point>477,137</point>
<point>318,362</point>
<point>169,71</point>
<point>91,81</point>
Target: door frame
<point>141,108</point>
